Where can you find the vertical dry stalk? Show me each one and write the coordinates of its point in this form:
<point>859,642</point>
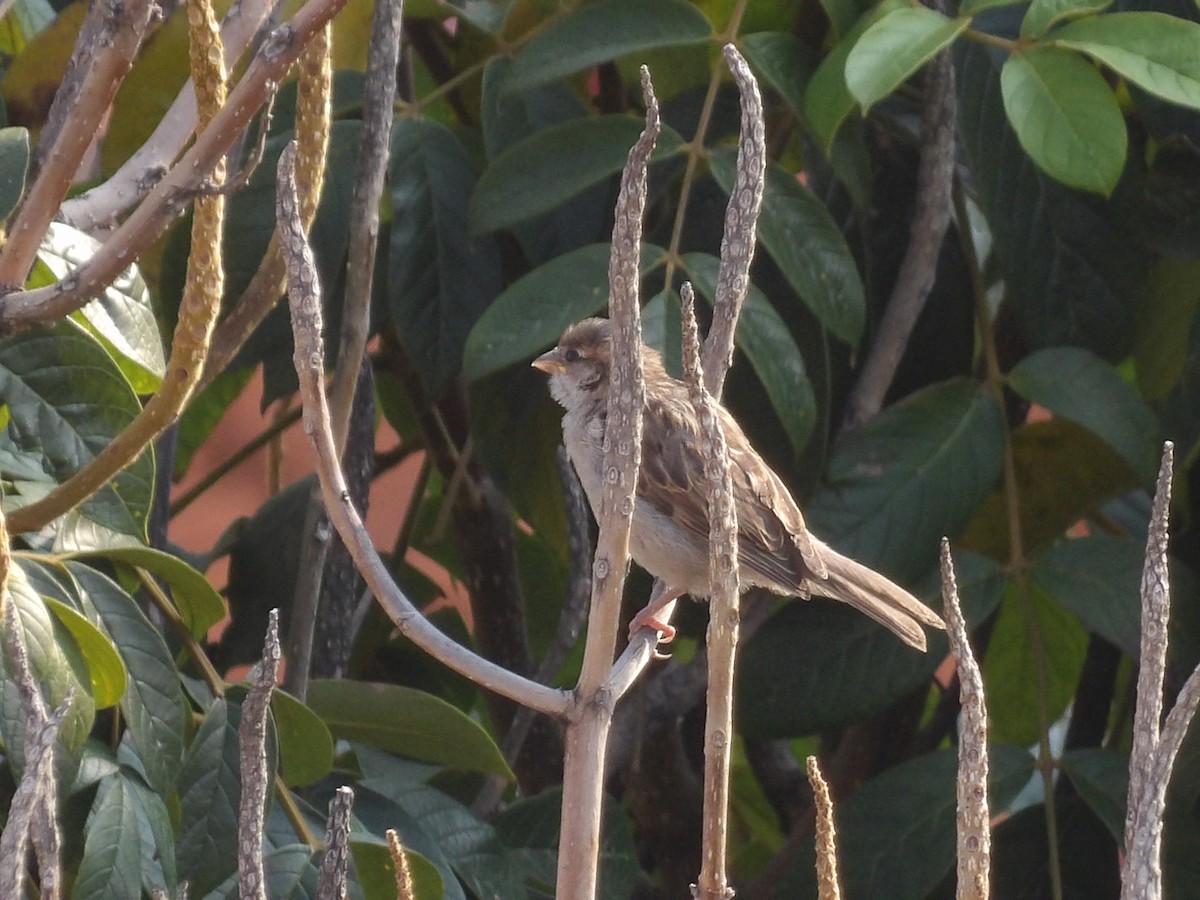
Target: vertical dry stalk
<point>404,882</point>
<point>974,819</point>
<point>252,738</point>
<point>197,310</point>
<point>741,222</point>
<point>331,880</point>
<point>713,883</point>
<point>1153,754</point>
<point>590,717</point>
<point>828,887</point>
<point>304,294</point>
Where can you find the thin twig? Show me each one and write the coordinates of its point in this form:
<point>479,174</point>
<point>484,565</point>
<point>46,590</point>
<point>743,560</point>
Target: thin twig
<point>304,293</point>
<point>404,882</point>
<point>974,821</point>
<point>252,738</point>
<point>713,883</point>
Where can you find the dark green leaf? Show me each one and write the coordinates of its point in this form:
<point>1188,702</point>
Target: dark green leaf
<point>200,606</point>
<point>204,412</point>
<point>439,279</point>
<point>1101,776</point>
<point>157,836</point>
<point>1043,14</point>
<point>112,854</point>
<point>532,313</point>
<point>546,169</point>
<point>785,687</point>
<point>67,401</point>
<point>1157,52</point>
<point>1076,384</point>
<point>305,745</point>
<point>769,347</point>
<point>209,793</point>
<point>1066,117</point>
<point>405,721</point>
<point>598,32</point>
<point>1163,330</point>
<point>1032,666</point>
<point>890,51</point>
<point>784,61</point>
<point>291,873</point>
<point>104,663</point>
<point>827,99</point>
<point>153,705</point>
<point>914,474</point>
<point>14,164</point>
<point>807,245</point>
<point>1071,272</point>
<point>1098,579</point>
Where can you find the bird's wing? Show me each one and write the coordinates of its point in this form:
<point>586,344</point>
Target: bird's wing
<point>771,529</point>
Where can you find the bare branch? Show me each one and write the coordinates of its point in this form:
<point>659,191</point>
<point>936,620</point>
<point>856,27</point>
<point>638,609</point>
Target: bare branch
<point>115,47</point>
<point>304,292</point>
<point>252,737</point>
<point>974,820</point>
<point>828,887</point>
<point>926,233</point>
<point>404,882</point>
<point>741,222</point>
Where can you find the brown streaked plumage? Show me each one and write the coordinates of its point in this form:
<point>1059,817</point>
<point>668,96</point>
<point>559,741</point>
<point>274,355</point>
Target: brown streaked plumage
<point>669,537</point>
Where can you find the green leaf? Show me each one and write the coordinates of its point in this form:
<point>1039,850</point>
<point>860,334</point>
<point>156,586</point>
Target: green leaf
<point>291,874</point>
<point>14,165</point>
<point>546,169</point>
<point>784,689</point>
<point>827,99</point>
<point>67,401</point>
<point>439,280</point>
<point>157,836</point>
<point>200,606</point>
<point>784,62</point>
<point>896,832</point>
<point>1076,384</point>
<point>209,793</point>
<point>112,853</point>
<point>1033,663</point>
<point>1157,52</point>
<point>406,721</point>
<point>1097,578</point>
<point>305,744</point>
<point>1164,320</point>
<point>1066,117</point>
<point>122,317</point>
<point>912,475</point>
<point>1043,14</point>
<point>770,349</point>
<point>58,669</point>
<point>598,32</point>
<point>974,7</point>
<point>153,704</point>
<point>377,874</point>
<point>807,245</point>
<point>104,664</point>
<point>1101,776</point>
<point>533,312</point>
<point>891,50</point>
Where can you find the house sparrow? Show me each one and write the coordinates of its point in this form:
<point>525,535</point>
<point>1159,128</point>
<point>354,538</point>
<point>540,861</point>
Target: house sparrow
<point>669,536</point>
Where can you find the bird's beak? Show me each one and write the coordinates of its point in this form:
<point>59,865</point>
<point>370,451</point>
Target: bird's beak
<point>550,362</point>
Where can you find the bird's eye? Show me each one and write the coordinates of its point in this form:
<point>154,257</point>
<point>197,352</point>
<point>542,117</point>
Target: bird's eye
<point>571,355</point>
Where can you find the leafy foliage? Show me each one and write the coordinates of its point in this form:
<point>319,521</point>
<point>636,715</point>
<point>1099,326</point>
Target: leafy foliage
<point>1031,442</point>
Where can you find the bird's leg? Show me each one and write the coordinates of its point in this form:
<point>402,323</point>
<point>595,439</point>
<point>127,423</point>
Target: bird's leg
<point>662,595</point>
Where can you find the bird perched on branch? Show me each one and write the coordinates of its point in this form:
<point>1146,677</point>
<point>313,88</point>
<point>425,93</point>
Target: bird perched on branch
<point>669,536</point>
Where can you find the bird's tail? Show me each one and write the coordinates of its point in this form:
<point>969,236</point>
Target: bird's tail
<point>885,602</point>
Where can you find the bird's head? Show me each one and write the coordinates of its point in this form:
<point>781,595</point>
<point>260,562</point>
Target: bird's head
<point>578,366</point>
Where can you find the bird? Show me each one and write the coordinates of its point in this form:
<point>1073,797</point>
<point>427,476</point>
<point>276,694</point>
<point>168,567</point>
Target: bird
<point>669,536</point>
